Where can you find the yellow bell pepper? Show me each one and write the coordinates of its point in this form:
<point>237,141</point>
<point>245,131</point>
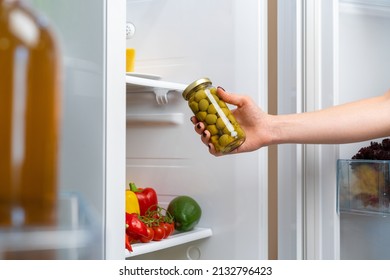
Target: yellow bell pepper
<point>132,205</point>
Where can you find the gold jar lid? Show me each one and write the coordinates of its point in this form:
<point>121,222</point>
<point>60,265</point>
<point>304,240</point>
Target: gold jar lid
<point>201,82</point>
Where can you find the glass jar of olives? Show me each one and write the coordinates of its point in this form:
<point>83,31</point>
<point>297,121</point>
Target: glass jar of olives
<point>226,133</point>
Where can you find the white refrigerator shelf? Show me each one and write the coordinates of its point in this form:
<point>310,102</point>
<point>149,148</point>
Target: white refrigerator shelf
<point>158,87</point>
<point>171,241</point>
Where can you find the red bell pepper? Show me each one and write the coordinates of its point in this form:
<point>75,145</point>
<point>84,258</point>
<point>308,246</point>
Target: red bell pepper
<point>135,228</point>
<point>128,243</point>
<point>147,198</point>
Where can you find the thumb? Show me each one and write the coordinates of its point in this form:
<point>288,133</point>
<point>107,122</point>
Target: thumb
<point>230,98</point>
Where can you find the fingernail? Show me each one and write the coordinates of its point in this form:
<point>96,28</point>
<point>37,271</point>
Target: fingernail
<point>221,88</point>
<point>209,146</point>
<point>204,134</point>
<point>198,126</point>
<point>191,118</point>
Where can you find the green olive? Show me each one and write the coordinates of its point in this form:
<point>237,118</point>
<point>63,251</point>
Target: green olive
<point>211,109</point>
<point>199,95</point>
<point>212,129</point>
<point>215,97</point>
<point>203,105</point>
<point>222,104</point>
<point>240,132</point>
<point>226,111</point>
<point>232,119</point>
<point>211,119</point>
<point>225,130</point>
<point>214,139</point>
<point>225,140</point>
<point>220,124</point>
<point>201,116</point>
<point>213,91</point>
<point>194,106</point>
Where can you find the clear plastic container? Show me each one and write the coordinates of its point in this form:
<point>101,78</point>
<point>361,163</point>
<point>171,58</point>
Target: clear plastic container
<point>363,186</point>
<point>202,98</point>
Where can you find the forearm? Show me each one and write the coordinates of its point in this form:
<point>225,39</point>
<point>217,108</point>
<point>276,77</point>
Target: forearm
<point>352,122</point>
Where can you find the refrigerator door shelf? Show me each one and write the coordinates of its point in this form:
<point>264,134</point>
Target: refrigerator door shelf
<point>363,186</point>
<point>74,236</point>
<point>158,87</point>
<point>173,240</point>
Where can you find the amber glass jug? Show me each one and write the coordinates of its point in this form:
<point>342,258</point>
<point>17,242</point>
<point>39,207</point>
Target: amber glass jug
<point>29,117</point>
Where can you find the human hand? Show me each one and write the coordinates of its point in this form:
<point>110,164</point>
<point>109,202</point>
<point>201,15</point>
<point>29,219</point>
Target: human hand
<point>251,119</point>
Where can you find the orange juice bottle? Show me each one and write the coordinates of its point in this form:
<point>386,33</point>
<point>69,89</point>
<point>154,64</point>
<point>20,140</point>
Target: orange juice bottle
<point>29,117</point>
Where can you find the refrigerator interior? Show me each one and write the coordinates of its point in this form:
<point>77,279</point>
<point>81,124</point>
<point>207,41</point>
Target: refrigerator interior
<point>364,58</point>
<point>181,41</point>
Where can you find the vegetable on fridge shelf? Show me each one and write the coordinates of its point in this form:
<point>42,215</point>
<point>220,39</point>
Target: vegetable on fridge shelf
<point>147,198</point>
<point>156,226</point>
<point>132,204</point>
<point>150,222</point>
<point>135,228</point>
<point>160,223</point>
<point>159,233</point>
<point>128,243</point>
<point>148,238</point>
<point>185,211</point>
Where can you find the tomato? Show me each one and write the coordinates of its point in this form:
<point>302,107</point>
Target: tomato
<point>168,229</point>
<point>172,225</point>
<point>159,233</point>
<point>149,237</point>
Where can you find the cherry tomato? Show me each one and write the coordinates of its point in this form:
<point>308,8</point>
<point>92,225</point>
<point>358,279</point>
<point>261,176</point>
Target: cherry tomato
<point>172,225</point>
<point>149,237</point>
<point>168,229</point>
<point>159,233</point>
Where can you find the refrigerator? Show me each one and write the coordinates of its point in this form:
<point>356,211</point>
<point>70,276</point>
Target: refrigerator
<point>135,127</point>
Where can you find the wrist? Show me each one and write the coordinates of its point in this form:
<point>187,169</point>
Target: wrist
<point>282,129</point>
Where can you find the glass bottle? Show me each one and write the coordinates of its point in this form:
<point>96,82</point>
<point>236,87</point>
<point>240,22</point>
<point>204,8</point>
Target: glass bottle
<point>202,98</point>
<point>29,117</point>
